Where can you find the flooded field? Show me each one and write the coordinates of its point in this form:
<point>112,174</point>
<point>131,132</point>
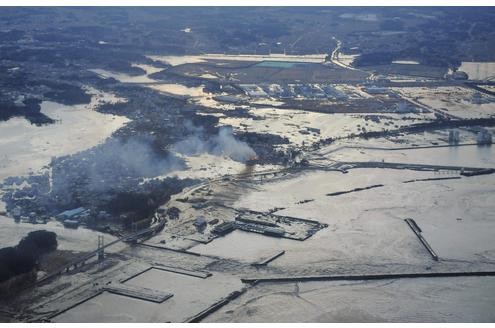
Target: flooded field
<point>28,147</point>
<point>245,246</point>
<point>179,89</point>
<point>190,296</point>
<point>405,62</point>
<point>404,300</point>
<point>479,70</point>
<point>108,307</point>
<point>79,240</point>
<point>459,102</point>
<point>451,212</point>
<point>247,164</point>
<point>303,127</point>
<point>125,78</point>
<point>472,155</point>
<point>179,60</point>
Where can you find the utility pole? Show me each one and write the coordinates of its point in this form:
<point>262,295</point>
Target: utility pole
<point>101,250</point>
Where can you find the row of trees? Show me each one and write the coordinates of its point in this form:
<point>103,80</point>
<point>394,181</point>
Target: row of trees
<point>24,257</point>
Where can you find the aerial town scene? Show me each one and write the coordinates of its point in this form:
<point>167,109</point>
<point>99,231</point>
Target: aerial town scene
<point>247,164</point>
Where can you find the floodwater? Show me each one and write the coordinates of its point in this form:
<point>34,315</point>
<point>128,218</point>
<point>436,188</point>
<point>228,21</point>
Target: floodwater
<point>372,230</point>
<point>276,64</point>
<point>180,60</point>
<point>79,240</point>
<point>179,89</point>
<point>121,77</point>
<point>465,299</point>
<point>28,147</point>
<point>149,69</point>
<point>244,246</point>
<point>177,60</point>
<point>474,156</point>
<point>479,70</point>
<point>196,94</point>
<point>191,295</point>
<point>360,17</point>
<point>355,233</point>
<point>405,62</point>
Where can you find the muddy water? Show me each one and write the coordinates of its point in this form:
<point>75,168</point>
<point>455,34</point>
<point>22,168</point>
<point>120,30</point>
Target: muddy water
<point>479,70</point>
<point>124,78</point>
<point>179,89</point>
<point>196,94</point>
<point>80,240</point>
<point>191,295</point>
<point>475,156</point>
<point>245,246</point>
<point>180,60</point>
<point>404,300</point>
<point>405,62</point>
<point>368,226</point>
<point>26,147</point>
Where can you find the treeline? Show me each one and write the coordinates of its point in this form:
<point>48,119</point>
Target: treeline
<point>24,257</point>
<point>30,109</point>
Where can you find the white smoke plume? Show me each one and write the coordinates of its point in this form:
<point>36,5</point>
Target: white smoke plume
<point>222,144</point>
<point>132,158</point>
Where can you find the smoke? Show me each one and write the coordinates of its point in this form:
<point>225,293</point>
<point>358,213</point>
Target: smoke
<point>131,158</point>
<point>138,157</point>
<point>222,144</point>
<point>116,164</point>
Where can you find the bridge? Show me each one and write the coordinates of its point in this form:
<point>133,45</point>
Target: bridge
<point>160,223</point>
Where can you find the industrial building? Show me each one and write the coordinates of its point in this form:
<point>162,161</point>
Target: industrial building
<point>453,137</point>
<point>484,137</point>
<point>74,214</point>
<point>292,91</point>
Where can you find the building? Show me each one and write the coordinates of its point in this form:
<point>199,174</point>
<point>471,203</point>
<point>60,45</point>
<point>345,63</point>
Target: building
<point>252,90</point>
<point>484,137</point>
<point>457,75</point>
<point>76,213</point>
<point>224,228</point>
<point>403,107</point>
<point>73,224</point>
<point>454,137</point>
<point>200,222</point>
<point>375,90</point>
<point>476,99</point>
